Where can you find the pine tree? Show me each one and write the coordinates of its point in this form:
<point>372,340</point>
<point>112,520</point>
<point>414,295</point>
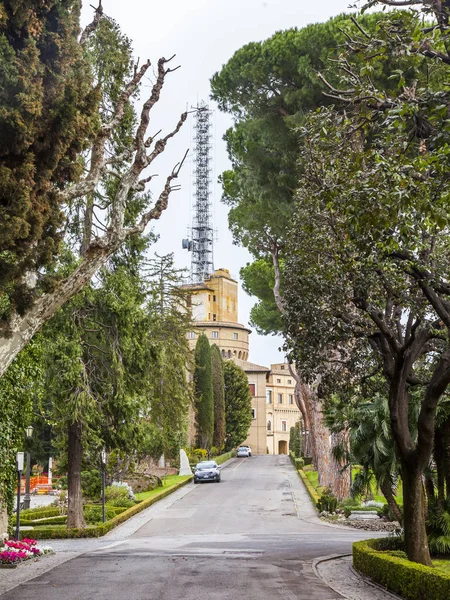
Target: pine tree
<point>218,384</point>
<point>238,405</point>
<point>204,397</point>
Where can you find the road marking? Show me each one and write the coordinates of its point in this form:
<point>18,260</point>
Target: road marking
<point>241,463</point>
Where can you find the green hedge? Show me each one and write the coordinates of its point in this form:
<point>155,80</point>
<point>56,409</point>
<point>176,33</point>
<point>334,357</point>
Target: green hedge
<point>311,491</point>
<point>59,532</point>
<point>408,579</point>
<point>224,457</point>
<point>40,513</point>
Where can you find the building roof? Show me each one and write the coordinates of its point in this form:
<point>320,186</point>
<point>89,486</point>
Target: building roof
<point>249,367</point>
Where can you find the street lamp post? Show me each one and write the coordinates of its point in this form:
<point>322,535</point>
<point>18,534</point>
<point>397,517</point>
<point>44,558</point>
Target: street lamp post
<point>27,497</point>
<point>19,463</point>
<point>103,459</point>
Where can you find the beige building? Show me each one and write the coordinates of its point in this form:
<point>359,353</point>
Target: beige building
<point>214,306</point>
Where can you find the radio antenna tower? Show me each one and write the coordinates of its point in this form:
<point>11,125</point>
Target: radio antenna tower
<point>202,234</point>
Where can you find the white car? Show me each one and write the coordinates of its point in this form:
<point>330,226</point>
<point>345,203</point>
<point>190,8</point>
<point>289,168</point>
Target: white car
<point>243,452</point>
<point>248,448</point>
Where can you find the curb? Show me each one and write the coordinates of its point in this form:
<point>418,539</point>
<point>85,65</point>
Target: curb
<point>357,574</point>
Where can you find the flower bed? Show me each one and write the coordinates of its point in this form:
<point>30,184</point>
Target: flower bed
<point>12,552</point>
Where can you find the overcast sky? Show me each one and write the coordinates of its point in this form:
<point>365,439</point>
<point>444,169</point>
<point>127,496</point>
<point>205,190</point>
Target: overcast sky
<point>204,34</point>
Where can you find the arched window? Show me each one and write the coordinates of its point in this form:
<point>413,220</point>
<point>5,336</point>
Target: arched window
<point>269,425</point>
<point>240,354</point>
<point>229,353</point>
<point>223,353</point>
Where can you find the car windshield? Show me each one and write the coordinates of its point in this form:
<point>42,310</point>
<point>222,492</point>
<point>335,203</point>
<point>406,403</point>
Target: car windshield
<point>206,465</point>
<point>244,448</point>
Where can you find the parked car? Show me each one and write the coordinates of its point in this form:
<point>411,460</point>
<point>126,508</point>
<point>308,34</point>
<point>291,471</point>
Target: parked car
<point>242,451</point>
<point>207,470</point>
<point>248,448</point>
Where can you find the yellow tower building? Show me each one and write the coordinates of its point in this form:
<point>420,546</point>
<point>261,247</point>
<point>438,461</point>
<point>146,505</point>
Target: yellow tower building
<point>214,307</point>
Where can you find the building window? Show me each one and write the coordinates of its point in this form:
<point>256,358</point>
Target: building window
<point>209,316</point>
<point>214,334</point>
<point>214,318</point>
<point>223,353</point>
<point>252,388</point>
<point>253,413</point>
<point>268,396</point>
<point>278,380</point>
<point>240,354</point>
<point>282,367</point>
<point>269,425</point>
<point>289,381</point>
<point>229,353</point>
<point>191,335</point>
<point>283,426</point>
<point>291,399</point>
<point>209,297</point>
<point>235,336</point>
<point>214,298</point>
<point>280,398</point>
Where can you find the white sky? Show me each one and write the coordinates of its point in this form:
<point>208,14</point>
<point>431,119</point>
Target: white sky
<point>204,34</point>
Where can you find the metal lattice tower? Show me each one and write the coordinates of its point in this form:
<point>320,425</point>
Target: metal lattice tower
<point>202,234</point>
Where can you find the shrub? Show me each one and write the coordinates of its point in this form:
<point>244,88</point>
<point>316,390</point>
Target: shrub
<point>408,579</point>
<point>121,502</point>
<point>199,454</point>
<point>327,501</point>
<point>91,484</point>
<point>119,491</point>
<point>93,514</point>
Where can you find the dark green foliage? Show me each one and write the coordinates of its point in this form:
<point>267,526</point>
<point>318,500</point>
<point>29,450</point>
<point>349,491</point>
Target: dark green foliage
<point>204,398</point>
<point>238,405</point>
<point>327,501</point>
<point>91,484</point>
<point>219,397</point>
<point>410,580</point>
<point>295,440</point>
<point>47,115</point>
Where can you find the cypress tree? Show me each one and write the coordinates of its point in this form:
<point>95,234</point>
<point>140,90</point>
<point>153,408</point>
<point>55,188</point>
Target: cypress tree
<point>238,405</point>
<point>47,115</point>
<point>218,384</point>
<point>204,397</point>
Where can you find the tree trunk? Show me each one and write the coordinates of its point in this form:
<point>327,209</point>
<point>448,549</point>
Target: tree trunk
<point>3,516</point>
<point>446,450</point>
<point>439,459</point>
<point>416,543</point>
<point>75,517</point>
<point>386,490</point>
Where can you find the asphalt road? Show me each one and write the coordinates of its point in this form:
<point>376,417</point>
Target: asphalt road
<point>252,536</point>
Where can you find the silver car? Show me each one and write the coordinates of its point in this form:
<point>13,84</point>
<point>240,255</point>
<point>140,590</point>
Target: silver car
<point>243,452</point>
<point>207,470</point>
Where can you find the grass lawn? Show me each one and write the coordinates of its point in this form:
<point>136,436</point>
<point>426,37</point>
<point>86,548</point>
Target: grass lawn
<point>313,478</point>
<point>168,482</point>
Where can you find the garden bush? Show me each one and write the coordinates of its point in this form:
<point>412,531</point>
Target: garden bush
<point>118,491</point>
<point>121,502</point>
<point>382,560</point>
<point>327,501</point>
<point>93,514</point>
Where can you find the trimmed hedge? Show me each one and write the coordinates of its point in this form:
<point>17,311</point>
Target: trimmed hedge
<point>224,457</point>
<point>311,491</point>
<point>408,579</point>
<point>61,532</point>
